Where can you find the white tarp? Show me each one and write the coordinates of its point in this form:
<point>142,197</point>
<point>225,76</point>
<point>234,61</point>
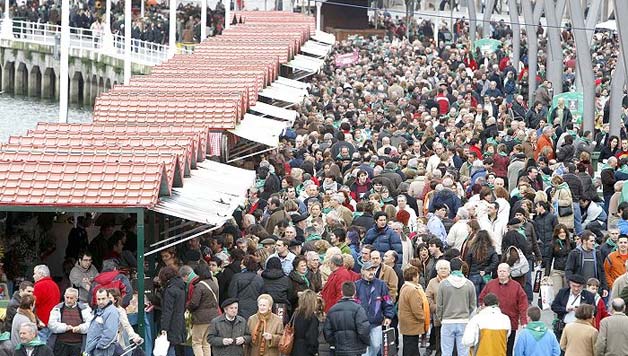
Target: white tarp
<point>324,37</point>
<point>289,95</point>
<point>315,48</point>
<point>209,195</point>
<point>260,129</point>
<point>297,91</point>
<point>610,25</point>
<point>270,110</point>
<point>292,83</point>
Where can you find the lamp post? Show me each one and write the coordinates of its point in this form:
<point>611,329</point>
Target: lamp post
<point>203,20</point>
<point>172,33</point>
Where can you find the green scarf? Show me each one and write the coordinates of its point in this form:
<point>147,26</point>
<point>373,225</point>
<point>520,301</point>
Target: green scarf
<point>304,277</point>
<point>33,343</point>
<point>5,336</point>
<point>612,244</point>
<point>313,237</point>
<point>537,329</point>
<point>624,169</point>
<point>191,276</point>
<point>457,273</point>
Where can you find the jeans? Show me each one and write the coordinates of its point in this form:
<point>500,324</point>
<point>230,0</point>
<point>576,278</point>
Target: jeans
<point>478,282</point>
<point>577,219</point>
<point>607,200</point>
<point>450,334</point>
<point>376,342</point>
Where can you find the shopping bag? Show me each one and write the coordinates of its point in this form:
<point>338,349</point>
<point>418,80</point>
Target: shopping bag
<point>537,279</point>
<point>547,296</point>
<point>161,345</point>
<point>389,347</point>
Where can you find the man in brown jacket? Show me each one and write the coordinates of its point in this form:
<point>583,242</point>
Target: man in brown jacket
<point>611,339</point>
<point>386,274</point>
<point>442,271</point>
<point>411,314</point>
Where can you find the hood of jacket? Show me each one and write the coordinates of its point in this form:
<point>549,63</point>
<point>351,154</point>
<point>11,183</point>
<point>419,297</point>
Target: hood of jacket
<point>106,277</point>
<point>272,274</point>
<point>176,282</point>
<point>456,281</point>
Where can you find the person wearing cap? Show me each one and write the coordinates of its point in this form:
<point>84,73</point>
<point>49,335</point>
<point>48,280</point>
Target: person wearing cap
<point>513,300</point>
<point>299,221</point>
<point>374,296</point>
<point>332,290</point>
<point>228,333</point>
<point>269,245</point>
<point>282,251</point>
<point>435,222</point>
<point>383,237</point>
<point>568,299</point>
<point>586,260</point>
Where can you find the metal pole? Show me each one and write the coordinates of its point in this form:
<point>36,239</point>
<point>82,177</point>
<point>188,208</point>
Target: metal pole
<point>472,21</point>
<point>227,14</point>
<point>127,41</point>
<point>172,33</point>
<point>618,82</point>
<point>516,33</point>
<point>584,64</point>
<point>318,15</point>
<point>203,20</point>
<point>140,270</point>
<point>65,57</point>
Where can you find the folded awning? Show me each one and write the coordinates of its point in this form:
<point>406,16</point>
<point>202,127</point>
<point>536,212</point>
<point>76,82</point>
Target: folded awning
<point>274,111</point>
<point>260,129</point>
<point>316,48</point>
<point>210,195</point>
<point>292,83</point>
<point>324,37</point>
<point>289,95</point>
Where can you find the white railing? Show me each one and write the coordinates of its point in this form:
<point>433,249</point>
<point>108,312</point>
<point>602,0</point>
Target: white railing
<point>142,52</point>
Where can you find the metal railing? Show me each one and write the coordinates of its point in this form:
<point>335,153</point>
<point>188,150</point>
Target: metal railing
<point>142,52</point>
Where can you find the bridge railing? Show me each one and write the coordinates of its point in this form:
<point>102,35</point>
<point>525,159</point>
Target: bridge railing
<point>142,52</point>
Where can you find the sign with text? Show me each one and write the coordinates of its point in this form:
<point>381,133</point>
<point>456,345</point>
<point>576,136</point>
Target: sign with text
<point>347,59</point>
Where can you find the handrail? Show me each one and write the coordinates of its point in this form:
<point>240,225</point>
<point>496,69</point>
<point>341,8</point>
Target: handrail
<point>142,52</point>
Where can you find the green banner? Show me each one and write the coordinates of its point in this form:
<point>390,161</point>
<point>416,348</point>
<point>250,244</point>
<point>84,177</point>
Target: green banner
<point>574,101</point>
<point>486,45</point>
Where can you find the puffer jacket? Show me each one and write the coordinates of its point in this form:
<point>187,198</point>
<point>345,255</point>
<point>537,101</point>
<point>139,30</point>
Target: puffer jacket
<point>448,198</point>
<point>375,299</point>
<point>173,310</point>
<point>557,252</point>
<point>383,240</point>
<point>347,328</point>
<point>278,285</point>
<point>203,304</point>
<point>246,286</point>
<point>544,227</point>
<point>220,328</point>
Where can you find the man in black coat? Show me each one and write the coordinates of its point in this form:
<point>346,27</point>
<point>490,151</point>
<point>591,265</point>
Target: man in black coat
<point>29,342</point>
<point>568,299</point>
<point>347,328</point>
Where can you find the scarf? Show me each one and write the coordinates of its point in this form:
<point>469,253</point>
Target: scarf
<point>33,343</point>
<point>537,329</point>
<point>260,329</point>
<point>190,278</point>
<point>304,277</point>
<point>5,336</point>
<point>612,244</point>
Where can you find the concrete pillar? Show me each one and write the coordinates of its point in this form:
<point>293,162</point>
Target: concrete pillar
<point>488,11</point>
<point>93,90</point>
<point>319,21</point>
<point>74,88</point>
<point>87,95</point>
<point>8,77</point>
<point>554,65</point>
<point>584,64</point>
<point>621,12</point>
<point>472,21</point>
<point>46,84</point>
<point>65,56</point>
<point>618,82</point>
<point>58,87</point>
<point>21,80</point>
<point>526,7</point>
<point>34,83</point>
<point>516,33</point>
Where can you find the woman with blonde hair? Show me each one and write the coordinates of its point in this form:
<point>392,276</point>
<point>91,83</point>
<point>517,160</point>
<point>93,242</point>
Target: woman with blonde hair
<point>306,325</point>
<point>266,329</point>
<point>562,202</point>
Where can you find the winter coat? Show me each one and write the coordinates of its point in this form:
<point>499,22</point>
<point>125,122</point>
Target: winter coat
<point>173,310</point>
<point>559,305</point>
<point>274,326</point>
<point>579,338</point>
<point>611,339</point>
<point>411,315</point>
<point>614,267</point>
<point>57,326</point>
<point>246,286</point>
<point>47,295</point>
<point>278,286</point>
<point>431,291</point>
<point>562,197</point>
<point>347,328</point>
<point>375,299</point>
<point>41,350</point>
<point>14,303</point>
<point>574,266</point>
<point>565,153</point>
<point>513,301</point>
<point>6,346</point>
<point>607,176</point>
<point>305,335</point>
<point>557,253</point>
<point>77,274</point>
<point>298,285</point>
<point>448,198</point>
<point>105,278</point>
<point>383,240</point>
<point>103,331</point>
<point>488,265</point>
<point>18,320</point>
<point>203,304</point>
<point>225,277</point>
<point>544,227</point>
<point>389,276</point>
<point>332,291</point>
<point>221,328</point>
<point>365,221</point>
<point>527,345</point>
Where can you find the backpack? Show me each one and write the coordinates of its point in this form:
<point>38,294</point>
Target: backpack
<point>520,267</point>
<point>114,284</point>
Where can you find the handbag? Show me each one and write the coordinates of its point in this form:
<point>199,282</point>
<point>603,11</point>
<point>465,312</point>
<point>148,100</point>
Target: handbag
<point>214,294</point>
<point>287,338</point>
<point>565,210</point>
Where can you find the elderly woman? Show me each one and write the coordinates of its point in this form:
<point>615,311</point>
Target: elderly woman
<point>443,269</point>
<point>266,329</point>
<point>562,202</point>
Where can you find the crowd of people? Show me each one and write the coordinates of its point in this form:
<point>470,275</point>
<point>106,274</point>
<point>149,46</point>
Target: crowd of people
<point>417,198</point>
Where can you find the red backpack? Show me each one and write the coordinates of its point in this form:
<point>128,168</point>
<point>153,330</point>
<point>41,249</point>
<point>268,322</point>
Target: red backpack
<point>113,284</point>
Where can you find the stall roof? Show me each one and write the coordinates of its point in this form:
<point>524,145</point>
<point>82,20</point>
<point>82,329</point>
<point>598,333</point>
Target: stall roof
<point>210,195</point>
<point>274,111</point>
<point>260,129</point>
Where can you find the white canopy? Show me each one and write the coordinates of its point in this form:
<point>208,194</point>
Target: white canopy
<point>260,129</point>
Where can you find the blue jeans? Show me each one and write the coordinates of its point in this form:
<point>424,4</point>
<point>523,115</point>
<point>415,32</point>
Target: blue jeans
<point>376,342</point>
<point>44,335</point>
<point>577,219</point>
<point>450,334</point>
<point>171,351</point>
<point>478,282</point>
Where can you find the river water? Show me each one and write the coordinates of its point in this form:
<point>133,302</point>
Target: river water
<point>19,114</point>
